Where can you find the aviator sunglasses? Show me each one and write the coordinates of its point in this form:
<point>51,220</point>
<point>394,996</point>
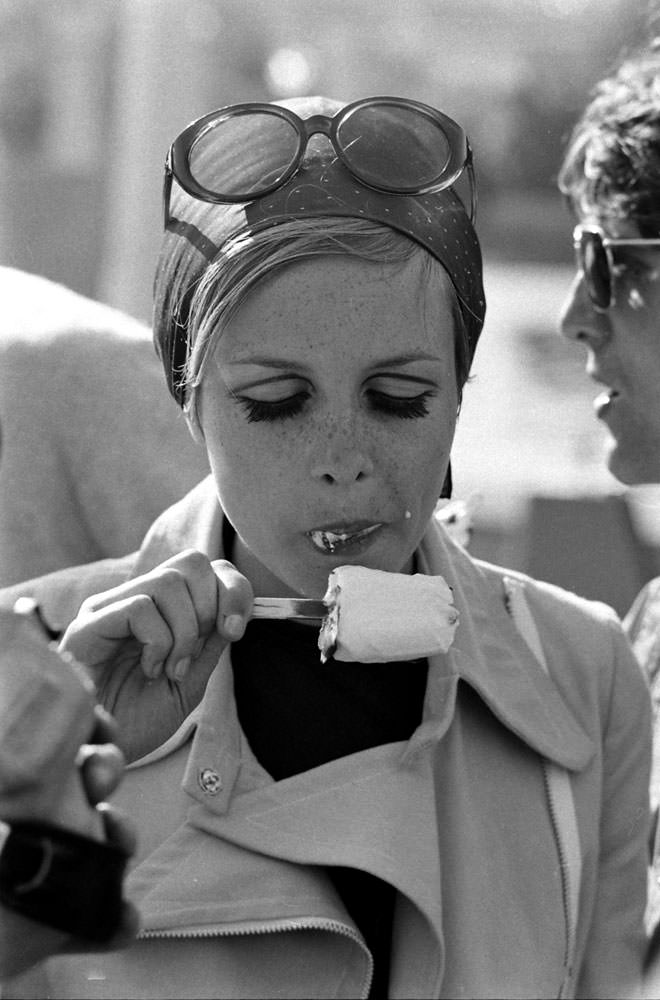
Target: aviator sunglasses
<point>595,260</point>
<point>391,144</point>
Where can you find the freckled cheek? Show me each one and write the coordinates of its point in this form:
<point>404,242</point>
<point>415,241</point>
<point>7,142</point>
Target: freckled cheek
<point>411,459</point>
<point>426,465</point>
<point>427,454</point>
<point>254,462</point>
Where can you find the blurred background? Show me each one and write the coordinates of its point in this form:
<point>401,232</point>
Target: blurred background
<point>93,91</point>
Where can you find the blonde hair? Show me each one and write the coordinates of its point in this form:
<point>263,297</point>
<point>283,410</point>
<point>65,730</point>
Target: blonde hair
<point>246,260</point>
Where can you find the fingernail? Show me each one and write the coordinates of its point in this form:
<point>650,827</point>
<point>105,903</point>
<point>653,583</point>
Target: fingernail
<point>181,669</point>
<point>234,626</point>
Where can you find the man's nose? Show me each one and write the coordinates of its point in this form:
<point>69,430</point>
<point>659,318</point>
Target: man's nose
<point>578,320</point>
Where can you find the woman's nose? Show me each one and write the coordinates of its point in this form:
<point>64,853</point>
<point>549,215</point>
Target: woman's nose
<point>579,320</point>
<point>340,458</point>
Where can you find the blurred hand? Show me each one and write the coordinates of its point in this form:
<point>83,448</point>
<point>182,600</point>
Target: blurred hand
<point>152,643</point>
<point>58,763</point>
<point>47,712</point>
<point>101,765</point>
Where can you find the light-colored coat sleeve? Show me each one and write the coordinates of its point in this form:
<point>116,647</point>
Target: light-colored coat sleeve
<point>93,447</point>
<point>615,945</point>
<point>60,594</point>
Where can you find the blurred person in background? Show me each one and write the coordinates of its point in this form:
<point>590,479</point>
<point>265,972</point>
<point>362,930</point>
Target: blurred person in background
<point>63,848</point>
<point>92,450</point>
<point>469,821</point>
<point>610,176</point>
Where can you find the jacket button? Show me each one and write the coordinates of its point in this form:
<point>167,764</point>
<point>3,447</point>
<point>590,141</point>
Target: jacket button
<point>209,781</point>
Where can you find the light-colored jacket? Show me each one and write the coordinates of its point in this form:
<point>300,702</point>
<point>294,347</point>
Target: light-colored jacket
<point>231,876</point>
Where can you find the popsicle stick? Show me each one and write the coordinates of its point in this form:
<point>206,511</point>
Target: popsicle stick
<point>289,607</point>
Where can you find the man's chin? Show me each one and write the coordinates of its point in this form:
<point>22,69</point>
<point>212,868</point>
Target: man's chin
<point>631,468</point>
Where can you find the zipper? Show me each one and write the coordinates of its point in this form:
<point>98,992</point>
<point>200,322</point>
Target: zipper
<point>268,927</point>
<point>565,884</point>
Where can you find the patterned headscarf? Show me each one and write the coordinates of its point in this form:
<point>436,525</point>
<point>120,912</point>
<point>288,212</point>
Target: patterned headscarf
<point>322,187</point>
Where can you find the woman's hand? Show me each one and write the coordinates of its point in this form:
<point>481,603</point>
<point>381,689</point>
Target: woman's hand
<point>152,643</point>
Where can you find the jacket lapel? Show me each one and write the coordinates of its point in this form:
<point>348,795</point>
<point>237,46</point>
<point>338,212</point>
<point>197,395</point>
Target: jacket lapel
<point>195,522</point>
<point>488,653</point>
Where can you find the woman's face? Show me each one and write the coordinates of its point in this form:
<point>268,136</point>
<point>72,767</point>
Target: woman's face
<point>328,410</point>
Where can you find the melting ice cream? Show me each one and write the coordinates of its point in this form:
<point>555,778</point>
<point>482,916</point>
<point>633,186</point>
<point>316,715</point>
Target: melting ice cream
<point>377,617</point>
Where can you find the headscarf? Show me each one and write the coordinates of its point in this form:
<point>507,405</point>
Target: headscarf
<point>322,187</point>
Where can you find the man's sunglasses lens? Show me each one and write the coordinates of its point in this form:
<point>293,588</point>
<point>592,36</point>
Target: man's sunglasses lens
<point>393,147</point>
<point>596,268</point>
<point>269,145</point>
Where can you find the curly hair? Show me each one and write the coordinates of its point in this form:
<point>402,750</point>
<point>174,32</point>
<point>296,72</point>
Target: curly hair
<point>611,167</point>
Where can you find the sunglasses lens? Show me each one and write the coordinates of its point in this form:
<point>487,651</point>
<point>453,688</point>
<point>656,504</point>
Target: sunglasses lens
<point>244,155</point>
<point>593,261</point>
<point>394,148</point>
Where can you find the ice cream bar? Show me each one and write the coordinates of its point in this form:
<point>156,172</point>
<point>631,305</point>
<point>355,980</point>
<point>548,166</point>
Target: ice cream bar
<point>377,617</point>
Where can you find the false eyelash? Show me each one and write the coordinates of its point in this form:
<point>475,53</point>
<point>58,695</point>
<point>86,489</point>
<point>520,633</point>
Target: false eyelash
<point>280,409</point>
<point>405,408</point>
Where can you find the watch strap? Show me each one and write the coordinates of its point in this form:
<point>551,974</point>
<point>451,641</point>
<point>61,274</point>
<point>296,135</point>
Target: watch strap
<point>62,879</point>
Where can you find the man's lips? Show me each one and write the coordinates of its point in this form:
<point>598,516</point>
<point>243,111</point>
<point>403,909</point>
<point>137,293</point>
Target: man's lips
<point>332,538</point>
<point>604,400</point>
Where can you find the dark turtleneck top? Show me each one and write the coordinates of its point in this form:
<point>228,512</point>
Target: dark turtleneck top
<point>298,713</point>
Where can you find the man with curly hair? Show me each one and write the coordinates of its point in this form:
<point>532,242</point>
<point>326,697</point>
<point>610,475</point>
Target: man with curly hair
<point>610,177</point>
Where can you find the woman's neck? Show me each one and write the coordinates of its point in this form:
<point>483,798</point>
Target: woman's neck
<point>264,583</point>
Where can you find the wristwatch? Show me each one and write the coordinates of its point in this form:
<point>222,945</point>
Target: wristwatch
<point>62,879</point>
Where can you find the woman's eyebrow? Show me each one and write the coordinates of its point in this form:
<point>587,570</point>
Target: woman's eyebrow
<point>399,360</point>
<point>264,361</point>
<point>395,361</point>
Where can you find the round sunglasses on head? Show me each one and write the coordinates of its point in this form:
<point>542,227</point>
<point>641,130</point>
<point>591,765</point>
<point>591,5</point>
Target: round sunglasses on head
<point>595,261</point>
<point>391,144</point>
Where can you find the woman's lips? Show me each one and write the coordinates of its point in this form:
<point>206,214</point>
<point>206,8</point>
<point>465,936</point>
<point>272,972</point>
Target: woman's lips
<point>343,538</point>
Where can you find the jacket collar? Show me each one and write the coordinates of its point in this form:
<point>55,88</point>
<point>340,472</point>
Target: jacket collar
<point>488,653</point>
<point>195,522</point>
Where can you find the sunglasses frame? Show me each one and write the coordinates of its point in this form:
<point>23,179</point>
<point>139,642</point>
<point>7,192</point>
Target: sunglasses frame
<point>177,163</point>
<point>606,242</point>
